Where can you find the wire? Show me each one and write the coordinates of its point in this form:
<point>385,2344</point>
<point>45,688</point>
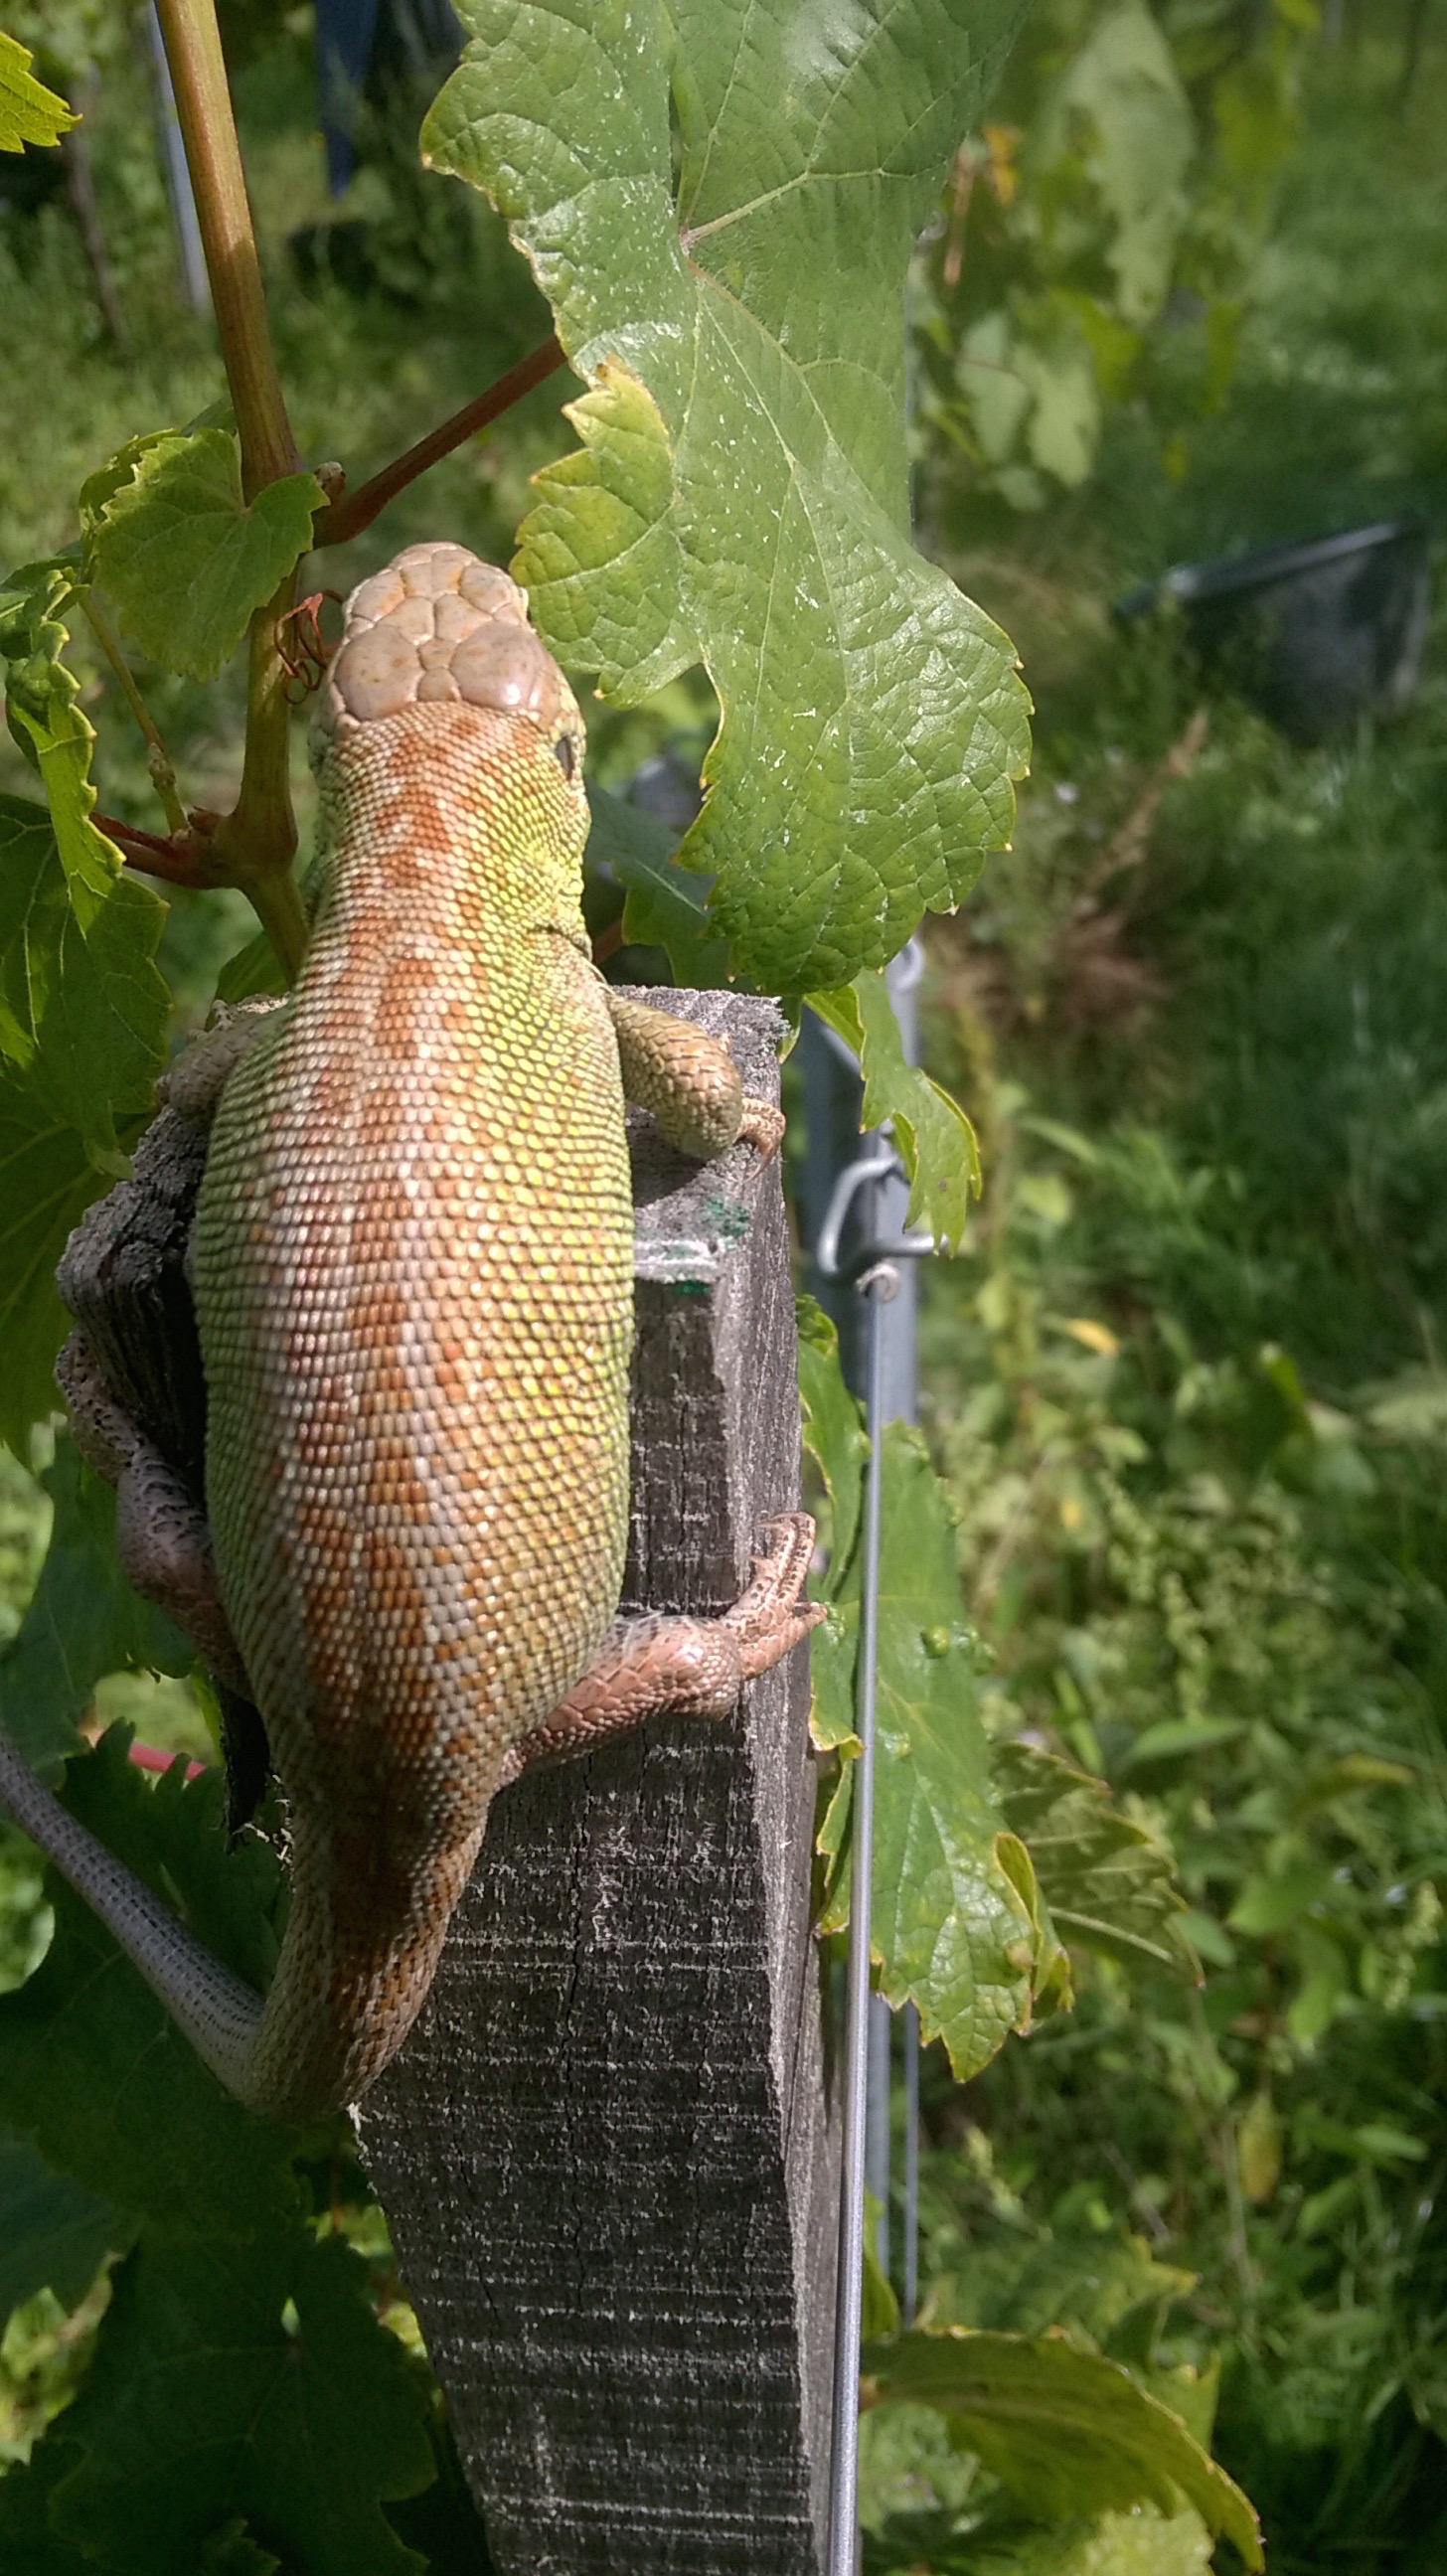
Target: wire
<point>878,1285</point>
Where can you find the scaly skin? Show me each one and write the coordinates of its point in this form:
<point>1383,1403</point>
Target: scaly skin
<point>413,1279</point>
<point>418,1487</point>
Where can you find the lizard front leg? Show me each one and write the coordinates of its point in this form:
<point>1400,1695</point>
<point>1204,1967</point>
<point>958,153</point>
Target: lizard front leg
<point>696,1667</point>
<point>690,1082</point>
<point>196,1080</point>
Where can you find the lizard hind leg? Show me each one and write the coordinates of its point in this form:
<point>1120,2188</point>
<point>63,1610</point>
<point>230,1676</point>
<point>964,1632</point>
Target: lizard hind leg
<point>695,1666</point>
<point>163,1539</point>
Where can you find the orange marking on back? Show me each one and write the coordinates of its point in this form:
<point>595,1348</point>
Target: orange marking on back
<point>382,1120</point>
<point>408,986</point>
<point>383,1207</point>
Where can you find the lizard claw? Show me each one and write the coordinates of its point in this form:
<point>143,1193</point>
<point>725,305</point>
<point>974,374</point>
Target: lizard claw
<point>762,1125</point>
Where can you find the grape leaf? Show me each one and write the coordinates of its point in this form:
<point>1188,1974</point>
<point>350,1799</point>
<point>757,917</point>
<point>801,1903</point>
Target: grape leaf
<point>740,494</point>
<point>244,2381</point>
<point>27,2542</point>
<point>185,558</point>
<point>1067,2431</point>
<point>935,1139</point>
<point>84,1622</point>
<point>834,1427</point>
<point>29,113</point>
<point>241,2375</point>
<point>1139,2543</point>
<point>229,2552</point>
<point>85,1003</point>
<point>952,1930</point>
<point>92,2068</point>
<point>1105,1880</point>
<point>53,2235</point>
<point>666,905</point>
<point>46,1183</point>
<point>82,1008</point>
<point>256,968</point>
<point>1093,2282</point>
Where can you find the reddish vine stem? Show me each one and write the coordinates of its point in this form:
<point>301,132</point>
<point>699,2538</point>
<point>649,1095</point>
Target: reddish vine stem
<point>170,859</point>
<point>353,511</point>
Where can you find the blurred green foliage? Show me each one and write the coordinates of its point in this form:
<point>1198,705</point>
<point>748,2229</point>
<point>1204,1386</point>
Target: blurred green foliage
<point>1187,1387</point>
<point>1099,235</point>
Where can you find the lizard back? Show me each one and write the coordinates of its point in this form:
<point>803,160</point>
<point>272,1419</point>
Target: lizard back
<point>413,1276</point>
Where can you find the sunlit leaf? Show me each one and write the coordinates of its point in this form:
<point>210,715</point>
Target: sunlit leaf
<point>84,1008</point>
<point>184,556</point>
<point>936,1141</point>
<point>721,203</point>
<point>29,112</point>
<point>834,1427</point>
<point>1067,2431</point>
<point>1107,1882</point>
<point>1140,2543</point>
<point>951,1929</point>
<point>1028,2283</point>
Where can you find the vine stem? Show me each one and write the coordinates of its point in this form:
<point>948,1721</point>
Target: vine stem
<point>351,512</point>
<point>249,844</point>
<point>254,846</point>
<point>228,238</point>
<point>170,860</point>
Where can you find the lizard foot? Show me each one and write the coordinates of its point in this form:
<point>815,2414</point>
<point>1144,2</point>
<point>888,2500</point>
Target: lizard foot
<point>771,1617</point>
<point>698,1666</point>
<point>762,1125</point>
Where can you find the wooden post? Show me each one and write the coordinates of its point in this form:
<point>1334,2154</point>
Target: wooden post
<point>604,2151</point>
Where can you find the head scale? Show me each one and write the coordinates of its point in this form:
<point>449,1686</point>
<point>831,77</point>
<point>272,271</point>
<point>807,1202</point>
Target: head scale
<point>439,627</point>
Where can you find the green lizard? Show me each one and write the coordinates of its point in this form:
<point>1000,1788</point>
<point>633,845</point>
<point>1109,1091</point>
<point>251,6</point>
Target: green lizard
<point>412,1268</point>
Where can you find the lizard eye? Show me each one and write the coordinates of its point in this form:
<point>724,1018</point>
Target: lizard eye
<point>565,754</point>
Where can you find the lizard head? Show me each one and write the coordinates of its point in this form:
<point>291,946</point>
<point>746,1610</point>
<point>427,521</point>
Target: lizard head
<point>441,628</point>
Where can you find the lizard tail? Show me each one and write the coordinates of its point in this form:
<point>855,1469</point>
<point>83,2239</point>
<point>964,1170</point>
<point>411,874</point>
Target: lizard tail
<point>341,2001</point>
<point>358,1956</point>
<point>219,2013</point>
